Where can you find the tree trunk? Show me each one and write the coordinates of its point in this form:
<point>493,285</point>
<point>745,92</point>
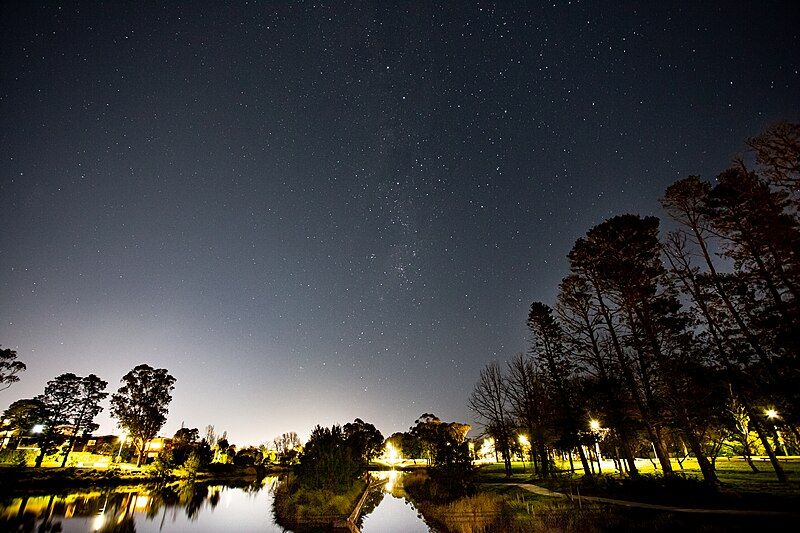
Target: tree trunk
<point>545,460</point>
<point>750,463</point>
<point>40,458</point>
<point>67,450</point>
<point>584,461</point>
<point>709,474</point>
<point>779,473</point>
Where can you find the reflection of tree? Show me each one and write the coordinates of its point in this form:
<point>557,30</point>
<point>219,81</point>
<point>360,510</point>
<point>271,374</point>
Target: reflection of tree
<point>116,509</point>
<point>374,499</point>
<point>214,498</point>
<point>191,497</point>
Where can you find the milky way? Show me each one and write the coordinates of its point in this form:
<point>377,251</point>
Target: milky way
<point>314,213</point>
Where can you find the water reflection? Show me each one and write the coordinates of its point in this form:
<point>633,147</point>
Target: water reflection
<point>188,507</point>
<point>395,513</point>
<point>173,507</point>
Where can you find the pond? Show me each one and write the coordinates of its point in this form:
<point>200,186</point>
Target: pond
<point>195,507</point>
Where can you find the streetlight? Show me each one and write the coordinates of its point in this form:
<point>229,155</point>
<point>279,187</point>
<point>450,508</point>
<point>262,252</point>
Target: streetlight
<point>38,428</point>
<point>594,425</point>
<point>523,442</point>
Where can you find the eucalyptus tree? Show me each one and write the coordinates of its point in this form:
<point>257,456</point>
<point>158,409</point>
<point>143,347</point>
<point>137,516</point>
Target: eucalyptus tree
<point>596,261</point>
<point>24,415</point>
<point>9,368</point>
<point>531,406</point>
<point>549,349</point>
<point>736,341</point>
<point>90,392</point>
<point>58,410</point>
<point>659,332</point>
<point>778,152</point>
<point>583,326</point>
<point>142,403</point>
<point>760,236</point>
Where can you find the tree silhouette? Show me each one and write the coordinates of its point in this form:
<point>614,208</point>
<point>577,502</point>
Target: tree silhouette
<point>91,391</point>
<point>142,403</point>
<point>59,408</point>
<point>490,401</point>
<point>9,368</point>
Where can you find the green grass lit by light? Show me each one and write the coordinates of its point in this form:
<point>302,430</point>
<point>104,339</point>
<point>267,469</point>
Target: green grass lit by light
<point>734,475</point>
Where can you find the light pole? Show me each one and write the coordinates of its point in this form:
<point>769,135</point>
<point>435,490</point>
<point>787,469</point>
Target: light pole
<point>523,442</point>
<point>594,425</point>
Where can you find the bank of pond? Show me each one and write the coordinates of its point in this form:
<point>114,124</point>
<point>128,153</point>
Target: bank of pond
<point>390,501</point>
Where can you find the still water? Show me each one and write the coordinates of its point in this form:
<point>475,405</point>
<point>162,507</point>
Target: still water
<point>195,507</point>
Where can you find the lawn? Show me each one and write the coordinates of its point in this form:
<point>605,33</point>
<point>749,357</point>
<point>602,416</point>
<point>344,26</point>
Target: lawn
<point>739,486</point>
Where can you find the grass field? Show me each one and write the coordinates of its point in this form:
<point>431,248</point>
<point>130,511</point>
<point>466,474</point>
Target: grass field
<point>732,473</point>
<point>740,489</point>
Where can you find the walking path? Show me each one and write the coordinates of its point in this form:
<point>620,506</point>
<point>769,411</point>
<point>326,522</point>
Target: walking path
<point>542,491</point>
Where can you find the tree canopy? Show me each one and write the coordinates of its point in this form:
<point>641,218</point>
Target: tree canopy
<point>142,403</point>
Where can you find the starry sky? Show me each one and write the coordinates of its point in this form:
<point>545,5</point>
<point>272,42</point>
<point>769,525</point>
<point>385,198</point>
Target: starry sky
<point>315,212</point>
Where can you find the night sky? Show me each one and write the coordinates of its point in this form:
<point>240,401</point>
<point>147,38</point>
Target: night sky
<point>310,213</point>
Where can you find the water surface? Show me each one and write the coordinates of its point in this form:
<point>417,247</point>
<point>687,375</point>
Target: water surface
<point>196,507</point>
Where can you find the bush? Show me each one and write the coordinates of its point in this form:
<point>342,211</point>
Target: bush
<point>438,487</point>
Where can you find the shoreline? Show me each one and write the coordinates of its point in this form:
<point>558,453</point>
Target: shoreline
<point>19,480</point>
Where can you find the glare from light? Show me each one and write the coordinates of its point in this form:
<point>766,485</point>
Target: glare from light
<point>594,424</point>
<point>771,413</point>
<point>38,428</point>
<point>99,522</point>
<point>392,455</point>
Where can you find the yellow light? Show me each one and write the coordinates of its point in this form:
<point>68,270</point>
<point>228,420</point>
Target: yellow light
<point>391,454</point>
<point>771,413</point>
<point>99,522</point>
<point>391,480</point>
<point>141,502</point>
<point>594,424</point>
<point>524,440</point>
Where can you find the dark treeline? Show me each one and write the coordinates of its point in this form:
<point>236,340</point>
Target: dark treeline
<point>69,404</point>
<point>677,339</point>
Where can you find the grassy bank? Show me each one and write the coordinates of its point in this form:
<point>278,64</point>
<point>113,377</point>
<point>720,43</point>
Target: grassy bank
<point>16,479</point>
<point>738,484</point>
<point>303,509</point>
<point>504,506</point>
